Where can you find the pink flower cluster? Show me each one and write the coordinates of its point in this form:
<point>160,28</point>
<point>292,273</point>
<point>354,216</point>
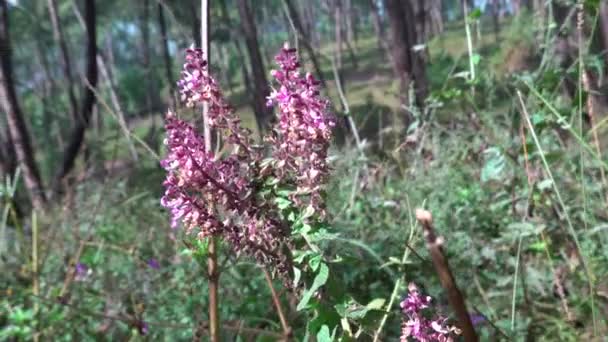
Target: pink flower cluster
<point>418,326</point>
<point>303,133</point>
<point>212,194</point>
<point>220,195</point>
<point>198,87</point>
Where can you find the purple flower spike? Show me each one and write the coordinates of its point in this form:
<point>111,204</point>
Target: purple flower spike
<point>417,326</point>
<point>303,132</point>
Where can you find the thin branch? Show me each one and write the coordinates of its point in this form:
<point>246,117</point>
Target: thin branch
<point>277,304</point>
<point>455,298</point>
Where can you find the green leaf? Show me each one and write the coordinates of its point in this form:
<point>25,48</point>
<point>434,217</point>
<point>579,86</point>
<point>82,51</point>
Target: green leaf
<point>494,165</point>
<point>376,304</point>
<point>475,14</point>
<point>297,274</point>
<point>314,262</point>
<point>323,334</point>
<point>476,58</point>
<point>319,281</point>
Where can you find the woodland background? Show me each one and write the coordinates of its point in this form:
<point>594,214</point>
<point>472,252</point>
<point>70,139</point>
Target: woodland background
<point>490,114</point>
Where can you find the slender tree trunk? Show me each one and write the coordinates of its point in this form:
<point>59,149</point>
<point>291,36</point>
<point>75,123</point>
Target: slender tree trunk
<point>306,39</point>
<point>66,60</point>
<point>350,26</point>
<point>261,88</point>
<point>234,34</point>
<point>196,23</point>
<point>603,18</point>
<point>18,132</point>
<point>8,158</point>
<point>145,53</point>
<point>77,137</point>
<point>166,55</point>
<point>409,65</point>
<point>378,28</point>
<point>338,31</point>
<point>495,19</point>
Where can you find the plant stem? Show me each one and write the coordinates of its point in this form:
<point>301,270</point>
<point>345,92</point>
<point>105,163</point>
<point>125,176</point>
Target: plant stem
<point>36,280</point>
<point>277,305</point>
<point>571,230</point>
<point>212,268</point>
<point>455,298</point>
<point>213,274</point>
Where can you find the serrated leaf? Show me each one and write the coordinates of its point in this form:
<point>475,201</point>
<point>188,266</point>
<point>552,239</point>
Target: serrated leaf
<point>319,281</point>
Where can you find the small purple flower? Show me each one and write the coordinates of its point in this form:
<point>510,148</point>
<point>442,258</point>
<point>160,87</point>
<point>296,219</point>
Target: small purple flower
<point>81,271</point>
<point>153,263</point>
<point>142,327</point>
<point>416,324</point>
<point>477,319</point>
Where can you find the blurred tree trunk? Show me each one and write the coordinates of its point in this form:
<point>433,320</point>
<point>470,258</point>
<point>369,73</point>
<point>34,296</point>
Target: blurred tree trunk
<point>78,133</point>
<point>66,60</point>
<point>338,31</point>
<point>18,131</point>
<point>408,64</point>
<point>8,159</point>
<point>350,25</point>
<point>306,39</point>
<point>196,24</point>
<point>261,88</point>
<point>603,17</point>
<point>167,56</point>
<point>495,5</point>
<point>308,27</point>
<point>145,53</point>
<point>234,34</point>
<point>379,29</point>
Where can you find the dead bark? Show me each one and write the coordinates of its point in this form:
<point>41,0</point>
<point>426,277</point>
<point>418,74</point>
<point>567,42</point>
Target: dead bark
<point>65,56</point>
<point>261,88</point>
<point>18,131</point>
<point>76,138</point>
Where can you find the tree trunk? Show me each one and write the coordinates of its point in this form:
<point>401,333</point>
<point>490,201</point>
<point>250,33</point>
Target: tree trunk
<point>379,29</point>
<point>408,65</point>
<point>337,6</point>
<point>495,18</point>
<point>8,158</point>
<point>260,83</point>
<point>145,54</point>
<point>234,34</point>
<point>167,56</point>
<point>18,132</point>
<point>306,39</point>
<point>603,17</point>
<point>350,26</point>
<point>77,137</point>
<point>196,24</point>
<point>66,61</point>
